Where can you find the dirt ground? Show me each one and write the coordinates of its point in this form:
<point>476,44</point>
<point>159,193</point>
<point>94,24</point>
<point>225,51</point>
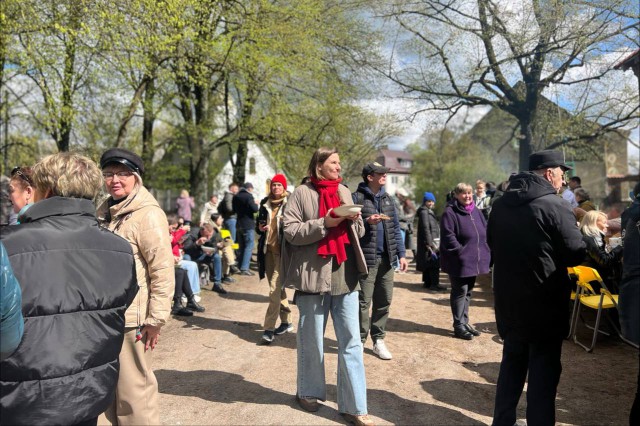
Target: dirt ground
<point>211,368</point>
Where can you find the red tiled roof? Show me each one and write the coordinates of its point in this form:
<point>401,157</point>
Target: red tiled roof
<point>391,158</point>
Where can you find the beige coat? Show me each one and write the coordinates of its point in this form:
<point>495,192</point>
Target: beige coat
<point>302,267</point>
<point>140,220</point>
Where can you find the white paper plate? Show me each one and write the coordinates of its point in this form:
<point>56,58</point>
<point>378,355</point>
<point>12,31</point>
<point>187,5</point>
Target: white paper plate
<point>208,250</point>
<point>348,210</point>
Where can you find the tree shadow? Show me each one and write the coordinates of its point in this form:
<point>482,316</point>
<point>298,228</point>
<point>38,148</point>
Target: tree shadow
<point>403,326</point>
<point>397,410</point>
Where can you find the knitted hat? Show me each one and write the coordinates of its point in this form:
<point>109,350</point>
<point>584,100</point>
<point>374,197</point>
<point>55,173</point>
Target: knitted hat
<point>428,196</point>
<point>281,179</point>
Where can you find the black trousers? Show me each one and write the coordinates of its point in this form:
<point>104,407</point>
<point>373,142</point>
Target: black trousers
<point>542,362</point>
<point>431,277</point>
<point>182,284</point>
<point>460,299</point>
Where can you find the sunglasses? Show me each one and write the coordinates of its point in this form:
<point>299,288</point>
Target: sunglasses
<point>18,172</point>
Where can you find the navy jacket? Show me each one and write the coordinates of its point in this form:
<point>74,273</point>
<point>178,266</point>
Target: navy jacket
<point>533,238</point>
<point>390,228</point>
<point>463,242</point>
<point>245,207</point>
<point>77,280</point>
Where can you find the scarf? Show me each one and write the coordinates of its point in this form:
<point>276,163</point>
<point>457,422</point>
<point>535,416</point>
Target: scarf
<point>334,243</point>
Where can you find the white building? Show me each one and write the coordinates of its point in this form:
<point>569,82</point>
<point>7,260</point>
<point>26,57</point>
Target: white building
<point>400,163</point>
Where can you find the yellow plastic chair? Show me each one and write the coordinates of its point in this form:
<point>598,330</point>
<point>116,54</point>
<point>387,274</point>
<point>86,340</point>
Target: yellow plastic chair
<point>225,233</point>
<point>602,302</point>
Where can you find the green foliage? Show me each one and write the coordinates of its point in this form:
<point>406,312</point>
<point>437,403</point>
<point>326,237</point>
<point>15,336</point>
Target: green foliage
<point>447,161</point>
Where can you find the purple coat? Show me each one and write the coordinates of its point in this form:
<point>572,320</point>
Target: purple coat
<point>184,206</point>
<point>463,242</point>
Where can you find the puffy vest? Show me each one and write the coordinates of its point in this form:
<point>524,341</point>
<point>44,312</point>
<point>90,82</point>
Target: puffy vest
<point>369,242</point>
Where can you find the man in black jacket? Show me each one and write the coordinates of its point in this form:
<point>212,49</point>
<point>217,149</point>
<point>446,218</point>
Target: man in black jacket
<point>381,243</point>
<point>245,207</point>
<point>77,281</point>
<point>533,238</point>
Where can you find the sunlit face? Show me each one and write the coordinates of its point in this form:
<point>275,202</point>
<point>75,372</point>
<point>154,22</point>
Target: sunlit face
<point>602,223</point>
<point>330,169</point>
<point>429,204</point>
<point>173,227</point>
<point>20,196</point>
<point>206,233</point>
<point>118,186</point>
<point>556,177</point>
<point>465,198</point>
<point>219,221</point>
<point>379,179</point>
<point>480,190</point>
<point>277,189</point>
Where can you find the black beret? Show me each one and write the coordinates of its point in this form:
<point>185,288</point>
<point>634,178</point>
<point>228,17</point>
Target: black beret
<point>122,156</point>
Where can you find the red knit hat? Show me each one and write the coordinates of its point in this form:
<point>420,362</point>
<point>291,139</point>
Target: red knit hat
<point>279,178</point>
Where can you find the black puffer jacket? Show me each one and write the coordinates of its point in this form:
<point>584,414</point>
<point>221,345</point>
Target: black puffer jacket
<point>533,238</point>
<point>77,280</point>
<point>392,235</point>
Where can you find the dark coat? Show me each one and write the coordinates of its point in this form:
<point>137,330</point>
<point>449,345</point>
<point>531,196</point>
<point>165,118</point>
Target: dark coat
<point>245,207</point>
<point>608,264</point>
<point>428,232</point>
<point>392,235</point>
<point>77,281</point>
<point>264,215</point>
<point>463,242</point>
<point>630,284</point>
<point>533,238</point>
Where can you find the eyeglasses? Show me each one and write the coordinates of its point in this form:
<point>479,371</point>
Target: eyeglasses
<point>18,172</point>
<point>121,175</point>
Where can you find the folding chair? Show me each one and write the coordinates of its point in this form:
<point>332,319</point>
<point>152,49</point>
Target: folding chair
<point>574,272</point>
<point>586,297</point>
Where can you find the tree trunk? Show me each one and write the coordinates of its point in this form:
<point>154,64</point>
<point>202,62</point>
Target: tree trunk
<point>241,161</point>
<point>526,142</point>
<point>148,119</point>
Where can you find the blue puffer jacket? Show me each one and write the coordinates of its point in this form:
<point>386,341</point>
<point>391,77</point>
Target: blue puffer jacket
<point>12,323</point>
<point>463,242</point>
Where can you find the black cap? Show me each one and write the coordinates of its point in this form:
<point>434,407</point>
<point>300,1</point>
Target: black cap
<point>247,185</point>
<point>372,168</point>
<point>122,156</point>
<point>547,158</point>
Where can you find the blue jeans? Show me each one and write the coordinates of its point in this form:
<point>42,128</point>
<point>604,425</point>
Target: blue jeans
<point>192,273</point>
<point>216,262</point>
<point>314,312</point>
<point>230,224</point>
<point>245,239</point>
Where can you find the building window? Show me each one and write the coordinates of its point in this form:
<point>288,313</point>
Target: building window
<point>252,166</point>
<point>404,163</point>
<point>394,179</point>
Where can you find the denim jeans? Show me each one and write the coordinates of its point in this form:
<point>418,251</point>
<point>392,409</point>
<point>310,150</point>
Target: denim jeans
<point>314,312</point>
<point>230,224</point>
<point>216,262</point>
<point>245,237</point>
<point>192,273</point>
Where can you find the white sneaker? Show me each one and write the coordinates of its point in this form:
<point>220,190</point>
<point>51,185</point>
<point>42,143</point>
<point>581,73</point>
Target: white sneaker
<point>380,349</point>
<point>197,298</point>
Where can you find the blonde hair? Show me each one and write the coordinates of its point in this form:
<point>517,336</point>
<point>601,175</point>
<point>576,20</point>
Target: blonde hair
<point>318,158</point>
<point>184,193</point>
<point>462,187</point>
<point>589,223</point>
<point>67,174</point>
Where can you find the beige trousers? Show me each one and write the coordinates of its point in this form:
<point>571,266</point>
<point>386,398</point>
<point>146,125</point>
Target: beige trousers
<point>136,401</point>
<point>278,302</point>
<point>228,259</point>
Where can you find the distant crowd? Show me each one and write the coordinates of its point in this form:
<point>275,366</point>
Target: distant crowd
<point>87,289</point>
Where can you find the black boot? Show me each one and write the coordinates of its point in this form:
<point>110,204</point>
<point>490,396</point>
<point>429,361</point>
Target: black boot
<point>193,305</point>
<point>180,310</point>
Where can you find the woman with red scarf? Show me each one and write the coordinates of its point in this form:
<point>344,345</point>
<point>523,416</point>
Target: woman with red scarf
<point>322,260</point>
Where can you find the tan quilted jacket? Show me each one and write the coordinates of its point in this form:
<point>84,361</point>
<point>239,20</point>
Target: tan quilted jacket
<point>140,220</point>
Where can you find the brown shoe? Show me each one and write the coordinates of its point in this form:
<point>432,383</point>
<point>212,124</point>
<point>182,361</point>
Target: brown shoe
<point>358,420</point>
<point>308,404</point>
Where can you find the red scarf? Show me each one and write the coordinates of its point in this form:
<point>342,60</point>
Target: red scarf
<point>334,243</point>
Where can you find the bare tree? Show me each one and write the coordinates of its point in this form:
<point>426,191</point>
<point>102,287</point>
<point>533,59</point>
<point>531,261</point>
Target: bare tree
<point>505,54</point>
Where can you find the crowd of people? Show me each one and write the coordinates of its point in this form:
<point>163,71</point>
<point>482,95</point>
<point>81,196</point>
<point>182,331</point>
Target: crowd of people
<point>121,269</point>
